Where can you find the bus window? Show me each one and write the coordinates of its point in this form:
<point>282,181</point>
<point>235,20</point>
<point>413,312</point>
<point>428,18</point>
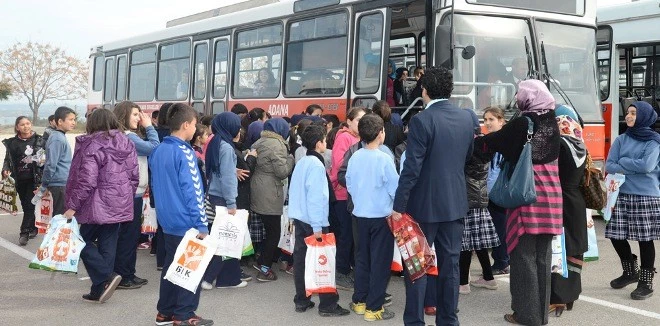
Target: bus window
<point>422,55</point>
<point>142,75</point>
<point>402,52</point>
<point>98,73</point>
<point>257,62</point>
<point>199,107</point>
<point>220,69</point>
<point>121,79</point>
<point>316,60</point>
<point>604,53</point>
<point>218,107</point>
<point>173,71</point>
<point>369,46</point>
<point>199,70</point>
<point>107,88</point>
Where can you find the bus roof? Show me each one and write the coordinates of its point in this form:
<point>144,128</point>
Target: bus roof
<point>628,11</point>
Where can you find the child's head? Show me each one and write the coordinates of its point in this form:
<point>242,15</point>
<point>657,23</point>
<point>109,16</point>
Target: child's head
<point>162,114</point>
<point>102,120</point>
<point>493,118</point>
<point>201,135</point>
<point>51,121</point>
<point>128,115</point>
<point>314,109</point>
<point>371,129</point>
<point>313,138</point>
<point>353,118</point>
<point>23,126</point>
<point>330,138</point>
<point>65,118</point>
<point>383,110</point>
<point>182,120</point>
<point>207,120</point>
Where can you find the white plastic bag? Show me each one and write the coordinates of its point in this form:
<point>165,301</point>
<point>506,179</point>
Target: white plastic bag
<point>558,263</point>
<point>149,220</point>
<point>43,212</point>
<point>229,232</point>
<point>191,259</point>
<point>287,235</point>
<point>60,249</point>
<point>320,264</point>
<point>592,251</point>
<point>612,184</point>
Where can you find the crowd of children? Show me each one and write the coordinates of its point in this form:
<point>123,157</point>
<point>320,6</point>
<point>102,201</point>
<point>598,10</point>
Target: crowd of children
<point>331,177</point>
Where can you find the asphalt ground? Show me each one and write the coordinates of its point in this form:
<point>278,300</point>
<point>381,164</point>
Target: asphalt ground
<point>35,297</point>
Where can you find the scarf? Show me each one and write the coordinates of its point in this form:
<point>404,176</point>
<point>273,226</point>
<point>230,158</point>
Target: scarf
<point>646,117</point>
<point>278,126</point>
<point>571,134</point>
<point>226,126</point>
<point>534,97</point>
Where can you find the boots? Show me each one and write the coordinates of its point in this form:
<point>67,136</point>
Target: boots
<point>644,288</point>
<point>630,274</point>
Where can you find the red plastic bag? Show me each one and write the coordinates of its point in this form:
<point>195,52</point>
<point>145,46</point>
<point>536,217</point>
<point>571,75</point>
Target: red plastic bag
<point>418,258</point>
<point>320,264</point>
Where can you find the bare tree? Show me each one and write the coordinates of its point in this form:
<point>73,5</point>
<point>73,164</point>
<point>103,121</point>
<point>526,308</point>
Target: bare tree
<point>42,72</point>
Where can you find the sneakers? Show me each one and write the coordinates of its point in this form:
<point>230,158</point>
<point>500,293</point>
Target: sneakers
<point>359,308</point>
<point>501,272</point>
<point>337,312</point>
<point>91,298</point>
<point>388,296</point>
<point>193,321</point>
<point>33,234</point>
<point>387,302</point>
<point>245,277</point>
<point>464,289</point>
<point>140,281</point>
<point>481,283</point>
<point>110,287</point>
<point>159,268</point>
<point>306,307</point>
<point>344,282</point>
<point>382,314</point>
<point>128,284</point>
<point>266,277</point>
<point>162,320</point>
<point>23,239</point>
<point>207,286</point>
<point>239,285</point>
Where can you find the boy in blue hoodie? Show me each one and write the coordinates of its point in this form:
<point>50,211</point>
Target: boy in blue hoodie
<point>176,179</point>
<point>58,158</point>
<point>309,202</point>
<point>371,180</point>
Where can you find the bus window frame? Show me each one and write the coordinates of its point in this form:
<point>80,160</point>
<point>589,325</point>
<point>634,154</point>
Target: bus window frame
<point>125,57</point>
<point>285,52</point>
<point>384,53</point>
<point>158,61</point>
<point>130,71</point>
<point>421,52</point>
<point>584,2</point>
<point>98,86</point>
<point>417,47</point>
<point>610,48</point>
<point>227,39</point>
<point>108,90</point>
<point>193,71</point>
<point>234,49</point>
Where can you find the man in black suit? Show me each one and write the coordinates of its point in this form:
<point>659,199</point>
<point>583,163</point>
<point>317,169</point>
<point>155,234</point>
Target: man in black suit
<point>432,190</point>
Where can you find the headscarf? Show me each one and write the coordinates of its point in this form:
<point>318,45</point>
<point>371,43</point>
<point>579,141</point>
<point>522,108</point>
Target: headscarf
<point>278,126</point>
<point>566,110</point>
<point>396,120</point>
<point>296,118</point>
<point>646,117</point>
<point>393,74</point>
<point>253,133</point>
<point>533,96</point>
<point>226,126</point>
<point>571,133</point>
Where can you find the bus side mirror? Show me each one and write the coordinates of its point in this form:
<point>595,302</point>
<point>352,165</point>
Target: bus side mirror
<point>443,55</point>
<point>468,52</point>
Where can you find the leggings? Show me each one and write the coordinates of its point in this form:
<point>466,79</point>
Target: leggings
<point>466,259</point>
<point>646,252</point>
<point>272,226</point>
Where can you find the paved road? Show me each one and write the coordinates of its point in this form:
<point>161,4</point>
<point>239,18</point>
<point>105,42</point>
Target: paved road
<point>36,297</point>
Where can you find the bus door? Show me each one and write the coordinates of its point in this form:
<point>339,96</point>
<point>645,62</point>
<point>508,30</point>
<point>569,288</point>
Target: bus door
<point>218,78</point>
<point>200,74</point>
<point>108,84</point>
<point>370,57</point>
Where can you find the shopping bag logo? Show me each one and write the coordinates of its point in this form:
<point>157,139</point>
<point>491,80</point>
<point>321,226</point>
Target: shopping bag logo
<point>228,230</point>
<point>323,260</point>
<point>61,249</point>
<point>42,253</point>
<point>45,206</point>
<point>192,256</point>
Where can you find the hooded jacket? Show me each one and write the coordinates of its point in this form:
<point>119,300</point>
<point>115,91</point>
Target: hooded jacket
<point>23,157</point>
<point>273,166</point>
<point>102,189</point>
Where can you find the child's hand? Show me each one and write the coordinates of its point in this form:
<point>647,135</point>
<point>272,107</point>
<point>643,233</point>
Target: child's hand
<point>231,211</point>
<point>252,152</point>
<point>318,235</point>
<point>69,214</point>
<point>145,120</point>
<point>201,236</point>
<point>5,174</point>
<point>242,174</point>
<point>396,216</point>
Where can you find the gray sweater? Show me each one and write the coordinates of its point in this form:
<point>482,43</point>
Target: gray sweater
<point>58,161</point>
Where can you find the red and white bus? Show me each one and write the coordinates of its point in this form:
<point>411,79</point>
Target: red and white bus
<point>335,53</point>
<point>628,60</point>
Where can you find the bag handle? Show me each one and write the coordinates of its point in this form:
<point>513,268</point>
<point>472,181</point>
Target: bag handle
<point>530,129</point>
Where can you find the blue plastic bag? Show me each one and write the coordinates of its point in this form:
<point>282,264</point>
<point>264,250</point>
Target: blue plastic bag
<point>61,247</point>
<point>558,264</point>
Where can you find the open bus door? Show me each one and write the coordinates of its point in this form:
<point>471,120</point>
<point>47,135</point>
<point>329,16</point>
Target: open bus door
<point>369,83</point>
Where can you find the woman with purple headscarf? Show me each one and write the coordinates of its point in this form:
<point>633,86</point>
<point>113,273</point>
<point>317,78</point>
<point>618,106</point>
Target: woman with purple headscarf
<point>530,228</point>
<point>636,214</point>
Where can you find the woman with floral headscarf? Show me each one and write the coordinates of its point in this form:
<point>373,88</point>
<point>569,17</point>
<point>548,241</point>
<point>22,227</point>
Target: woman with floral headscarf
<point>636,214</point>
<point>530,228</point>
<point>572,161</point>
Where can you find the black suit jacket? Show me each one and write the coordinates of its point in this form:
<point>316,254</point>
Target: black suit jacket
<point>432,183</point>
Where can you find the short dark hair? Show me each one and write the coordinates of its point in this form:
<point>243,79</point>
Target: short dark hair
<point>239,108</point>
<point>206,120</point>
<point>302,125</point>
<point>162,114</point>
<point>154,115</point>
<point>51,118</point>
<point>256,114</point>
<point>200,129</point>
<point>331,118</point>
<point>312,135</point>
<point>313,107</point>
<point>102,120</point>
<point>353,112</point>
<point>62,112</point>
<point>383,110</point>
<point>369,127</point>
<point>178,114</point>
<point>332,134</point>
<point>438,82</point>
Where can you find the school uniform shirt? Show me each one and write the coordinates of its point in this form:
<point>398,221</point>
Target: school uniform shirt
<point>58,161</point>
<point>639,161</point>
<point>309,193</point>
<point>177,182</point>
<point>371,179</point>
<point>224,183</point>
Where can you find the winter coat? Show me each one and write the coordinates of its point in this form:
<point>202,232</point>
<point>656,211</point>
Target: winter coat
<point>104,179</point>
<point>476,175</point>
<point>273,166</point>
<point>24,158</point>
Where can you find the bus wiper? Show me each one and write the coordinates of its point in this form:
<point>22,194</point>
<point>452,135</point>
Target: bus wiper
<point>549,80</point>
<point>530,64</point>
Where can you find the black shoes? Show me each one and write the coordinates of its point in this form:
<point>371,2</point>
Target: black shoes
<point>33,234</point>
<point>644,288</point>
<point>337,312</point>
<point>306,307</point>
<point>23,239</point>
<point>630,274</point>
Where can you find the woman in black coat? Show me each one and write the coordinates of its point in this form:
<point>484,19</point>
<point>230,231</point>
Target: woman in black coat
<point>572,161</point>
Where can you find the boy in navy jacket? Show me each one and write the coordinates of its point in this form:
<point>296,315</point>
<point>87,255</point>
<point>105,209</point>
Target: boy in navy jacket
<point>176,178</point>
<point>309,202</point>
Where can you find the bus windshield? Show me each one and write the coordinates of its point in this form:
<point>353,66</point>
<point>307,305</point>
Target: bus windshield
<point>570,52</point>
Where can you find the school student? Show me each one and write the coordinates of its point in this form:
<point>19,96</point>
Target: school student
<point>309,202</point>
<point>100,196</point>
<point>175,181</point>
<point>58,158</point>
<point>371,180</point>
